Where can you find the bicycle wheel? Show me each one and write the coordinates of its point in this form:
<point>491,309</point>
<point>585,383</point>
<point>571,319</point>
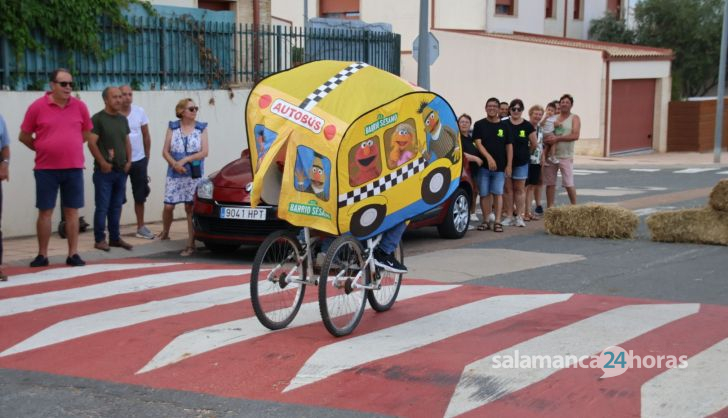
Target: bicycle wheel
<point>342,303</point>
<point>275,300</point>
<point>383,298</point>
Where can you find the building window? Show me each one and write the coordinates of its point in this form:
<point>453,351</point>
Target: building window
<point>505,7</point>
<point>550,9</point>
<point>614,7</point>
<point>216,5</point>
<point>340,9</point>
<point>577,9</point>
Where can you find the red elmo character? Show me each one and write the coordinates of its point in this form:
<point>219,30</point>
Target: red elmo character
<point>365,166</point>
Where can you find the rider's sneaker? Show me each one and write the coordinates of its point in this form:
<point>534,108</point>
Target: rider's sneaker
<point>388,262</point>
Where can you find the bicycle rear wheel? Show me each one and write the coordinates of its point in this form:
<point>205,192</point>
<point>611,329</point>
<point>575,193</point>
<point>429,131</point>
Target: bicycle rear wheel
<point>341,302</point>
<point>383,298</point>
<point>276,300</point>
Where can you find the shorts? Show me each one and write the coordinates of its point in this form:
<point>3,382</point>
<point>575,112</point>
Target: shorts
<point>520,172</point>
<point>48,182</point>
<point>491,182</point>
<point>566,165</point>
<point>139,180</point>
<point>534,175</point>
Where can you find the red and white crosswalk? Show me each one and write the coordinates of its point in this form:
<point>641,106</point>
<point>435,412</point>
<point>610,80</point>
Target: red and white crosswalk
<point>190,326</point>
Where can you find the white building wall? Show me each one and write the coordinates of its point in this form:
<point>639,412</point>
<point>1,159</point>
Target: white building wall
<point>404,15</point>
<point>472,68</point>
<point>529,17</point>
<point>292,10</point>
<point>226,127</point>
<point>593,9</point>
<point>627,70</point>
<point>461,14</point>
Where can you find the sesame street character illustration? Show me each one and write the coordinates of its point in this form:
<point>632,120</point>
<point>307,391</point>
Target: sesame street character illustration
<point>312,180</point>
<point>402,143</point>
<point>365,164</point>
<point>442,140</point>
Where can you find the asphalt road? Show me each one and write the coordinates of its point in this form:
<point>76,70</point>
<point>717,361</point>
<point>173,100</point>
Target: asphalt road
<point>636,268</point>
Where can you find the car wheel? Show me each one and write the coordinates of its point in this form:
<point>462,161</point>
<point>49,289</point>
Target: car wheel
<point>457,220</point>
<point>367,219</point>
<point>435,185</point>
<point>221,248</point>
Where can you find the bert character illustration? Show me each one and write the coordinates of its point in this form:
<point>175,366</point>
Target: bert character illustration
<point>318,178</point>
<point>443,141</point>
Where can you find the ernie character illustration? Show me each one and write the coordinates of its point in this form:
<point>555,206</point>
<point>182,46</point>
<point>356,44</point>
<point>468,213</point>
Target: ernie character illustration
<point>402,144</point>
<point>364,162</point>
<point>442,139</point>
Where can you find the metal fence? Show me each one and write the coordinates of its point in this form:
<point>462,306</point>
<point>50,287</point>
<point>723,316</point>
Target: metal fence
<point>183,53</point>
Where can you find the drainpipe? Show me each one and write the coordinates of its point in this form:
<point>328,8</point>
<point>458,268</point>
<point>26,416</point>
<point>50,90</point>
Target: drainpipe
<point>607,91</point>
<point>566,10</point>
<point>256,40</point>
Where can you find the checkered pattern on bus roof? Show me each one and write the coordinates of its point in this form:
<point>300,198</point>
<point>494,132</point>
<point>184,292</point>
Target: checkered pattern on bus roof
<point>376,187</point>
<point>326,88</point>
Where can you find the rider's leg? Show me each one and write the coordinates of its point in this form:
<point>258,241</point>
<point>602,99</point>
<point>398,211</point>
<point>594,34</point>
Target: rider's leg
<point>384,256</point>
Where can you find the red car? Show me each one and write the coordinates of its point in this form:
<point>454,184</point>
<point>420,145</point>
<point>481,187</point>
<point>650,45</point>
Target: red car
<point>223,219</point>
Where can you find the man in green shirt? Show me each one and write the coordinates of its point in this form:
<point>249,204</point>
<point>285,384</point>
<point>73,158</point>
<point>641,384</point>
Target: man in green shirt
<point>111,148</point>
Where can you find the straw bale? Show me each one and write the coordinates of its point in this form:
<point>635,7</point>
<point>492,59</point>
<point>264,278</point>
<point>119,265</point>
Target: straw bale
<point>701,226</point>
<point>719,196</point>
<point>591,220</point>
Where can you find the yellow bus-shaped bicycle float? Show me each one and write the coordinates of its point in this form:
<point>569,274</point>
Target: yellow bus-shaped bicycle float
<point>346,147</point>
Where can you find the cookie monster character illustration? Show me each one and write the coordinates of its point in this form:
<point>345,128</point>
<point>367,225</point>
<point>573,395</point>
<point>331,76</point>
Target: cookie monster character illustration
<point>364,162</point>
<point>442,140</point>
<point>402,144</point>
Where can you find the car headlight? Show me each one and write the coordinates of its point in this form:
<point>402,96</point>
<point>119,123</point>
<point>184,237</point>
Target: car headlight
<point>205,188</point>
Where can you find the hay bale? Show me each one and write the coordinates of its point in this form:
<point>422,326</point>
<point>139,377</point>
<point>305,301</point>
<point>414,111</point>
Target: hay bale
<point>591,220</point>
<point>701,226</point>
<point>719,196</point>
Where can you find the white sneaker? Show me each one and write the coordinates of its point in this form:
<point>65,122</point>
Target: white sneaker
<point>474,218</point>
<point>491,217</point>
<point>507,221</point>
<point>519,222</point>
<point>552,160</point>
<point>145,233</point>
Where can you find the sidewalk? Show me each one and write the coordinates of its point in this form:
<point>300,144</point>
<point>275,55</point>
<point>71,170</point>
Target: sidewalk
<point>673,159</point>
<point>20,251</point>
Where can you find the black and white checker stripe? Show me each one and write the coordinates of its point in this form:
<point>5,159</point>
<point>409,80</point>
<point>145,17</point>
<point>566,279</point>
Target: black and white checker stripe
<point>331,84</point>
<point>376,187</point>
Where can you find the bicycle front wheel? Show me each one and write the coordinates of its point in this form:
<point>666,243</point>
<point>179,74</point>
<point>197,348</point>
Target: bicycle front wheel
<point>275,298</point>
<point>383,298</point>
<point>341,300</point>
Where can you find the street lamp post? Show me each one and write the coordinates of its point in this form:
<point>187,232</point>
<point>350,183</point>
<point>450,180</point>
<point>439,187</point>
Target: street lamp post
<point>721,89</point>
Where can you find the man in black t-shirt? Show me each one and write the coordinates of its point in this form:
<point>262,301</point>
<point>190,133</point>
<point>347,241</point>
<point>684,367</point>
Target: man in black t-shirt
<point>494,144</point>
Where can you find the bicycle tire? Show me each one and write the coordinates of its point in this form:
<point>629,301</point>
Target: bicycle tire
<point>342,305</point>
<point>276,302</point>
<point>381,300</point>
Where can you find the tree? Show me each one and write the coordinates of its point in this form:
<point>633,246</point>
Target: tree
<point>611,29</point>
<point>691,28</point>
<point>73,24</point>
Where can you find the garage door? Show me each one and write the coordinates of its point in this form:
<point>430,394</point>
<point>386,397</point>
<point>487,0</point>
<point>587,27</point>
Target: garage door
<point>633,109</point>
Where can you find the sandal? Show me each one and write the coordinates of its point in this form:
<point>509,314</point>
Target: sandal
<point>3,277</point>
<point>483,227</point>
<point>498,227</point>
<point>187,252</point>
<point>528,217</point>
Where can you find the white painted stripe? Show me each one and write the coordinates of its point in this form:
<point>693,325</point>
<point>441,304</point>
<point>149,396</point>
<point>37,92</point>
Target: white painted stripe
<point>698,390</point>
<point>62,273</point>
<point>130,315</point>
<point>29,303</point>
<point>337,357</point>
<point>694,170</point>
<point>210,338</point>
<point>646,170</point>
<point>722,172</point>
<point>587,172</point>
<point>480,383</point>
<point>650,211</point>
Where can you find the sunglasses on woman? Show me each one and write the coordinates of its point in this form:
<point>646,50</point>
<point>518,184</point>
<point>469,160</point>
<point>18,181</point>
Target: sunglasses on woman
<point>193,108</point>
<point>517,109</point>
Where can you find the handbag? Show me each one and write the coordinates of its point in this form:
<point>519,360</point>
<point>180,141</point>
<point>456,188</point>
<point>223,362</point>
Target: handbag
<point>195,169</point>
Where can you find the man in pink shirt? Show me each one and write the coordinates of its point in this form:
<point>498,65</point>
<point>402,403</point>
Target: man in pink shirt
<point>55,127</point>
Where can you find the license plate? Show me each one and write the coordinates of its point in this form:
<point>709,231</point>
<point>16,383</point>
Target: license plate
<point>242,213</point>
